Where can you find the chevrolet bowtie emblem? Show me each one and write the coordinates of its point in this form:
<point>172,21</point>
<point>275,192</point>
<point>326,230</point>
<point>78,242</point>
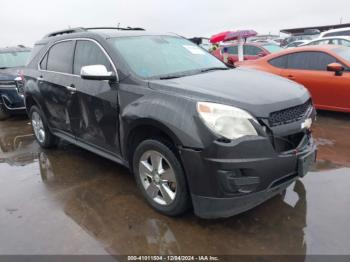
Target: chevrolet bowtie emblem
<point>306,124</point>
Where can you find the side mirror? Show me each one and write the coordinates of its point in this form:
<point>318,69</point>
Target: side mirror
<point>261,54</point>
<point>97,72</point>
<point>337,68</point>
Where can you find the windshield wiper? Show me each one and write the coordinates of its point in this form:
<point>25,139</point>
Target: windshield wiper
<point>171,77</point>
<point>4,67</point>
<point>214,69</point>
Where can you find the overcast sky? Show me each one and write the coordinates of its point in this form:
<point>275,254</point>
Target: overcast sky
<point>25,21</point>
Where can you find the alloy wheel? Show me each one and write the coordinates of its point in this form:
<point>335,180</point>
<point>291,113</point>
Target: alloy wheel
<point>157,177</point>
<point>38,127</point>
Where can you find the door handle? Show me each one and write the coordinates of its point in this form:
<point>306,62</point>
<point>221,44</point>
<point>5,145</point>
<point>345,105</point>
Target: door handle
<point>40,78</point>
<point>291,76</point>
<point>71,88</point>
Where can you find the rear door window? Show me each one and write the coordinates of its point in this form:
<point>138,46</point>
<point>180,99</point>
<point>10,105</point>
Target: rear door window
<point>252,50</point>
<point>324,42</point>
<point>60,57</point>
<point>320,42</point>
<point>310,61</point>
<point>344,42</point>
<point>314,43</point>
<point>333,42</point>
<point>232,50</point>
<point>89,53</point>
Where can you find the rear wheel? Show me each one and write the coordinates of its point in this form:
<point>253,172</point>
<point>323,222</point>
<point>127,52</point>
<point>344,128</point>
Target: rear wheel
<point>41,130</point>
<point>3,113</point>
<point>160,177</point>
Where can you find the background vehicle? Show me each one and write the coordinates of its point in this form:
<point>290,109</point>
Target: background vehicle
<point>336,32</point>
<point>332,40</point>
<point>323,70</point>
<point>307,35</point>
<point>202,42</point>
<point>251,51</point>
<point>181,120</point>
<point>265,38</point>
<point>297,43</point>
<point>12,59</point>
<point>267,41</point>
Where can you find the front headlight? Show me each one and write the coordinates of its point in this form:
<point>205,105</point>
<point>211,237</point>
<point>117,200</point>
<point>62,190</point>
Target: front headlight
<point>227,121</point>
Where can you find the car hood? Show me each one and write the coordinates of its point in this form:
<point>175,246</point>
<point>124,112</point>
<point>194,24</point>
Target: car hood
<point>8,74</point>
<point>257,92</point>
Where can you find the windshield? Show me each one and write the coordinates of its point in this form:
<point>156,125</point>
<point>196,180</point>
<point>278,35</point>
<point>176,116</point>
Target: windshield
<point>272,48</point>
<point>162,56</point>
<point>14,59</point>
<point>343,52</point>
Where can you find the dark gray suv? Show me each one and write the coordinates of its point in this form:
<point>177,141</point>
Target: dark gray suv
<point>12,60</point>
<point>192,131</point>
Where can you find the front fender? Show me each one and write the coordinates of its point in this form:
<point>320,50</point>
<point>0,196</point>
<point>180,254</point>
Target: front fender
<point>176,116</point>
<point>32,92</point>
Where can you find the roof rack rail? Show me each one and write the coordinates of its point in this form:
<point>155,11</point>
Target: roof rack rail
<point>66,31</point>
<point>117,28</point>
<point>83,29</point>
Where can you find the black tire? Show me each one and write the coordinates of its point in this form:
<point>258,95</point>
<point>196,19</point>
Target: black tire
<point>50,140</point>
<point>3,114</point>
<point>182,200</point>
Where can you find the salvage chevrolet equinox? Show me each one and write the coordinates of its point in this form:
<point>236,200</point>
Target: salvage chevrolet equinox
<point>194,132</point>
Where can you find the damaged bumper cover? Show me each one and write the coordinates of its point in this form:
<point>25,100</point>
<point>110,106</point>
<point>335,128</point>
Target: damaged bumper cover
<point>11,101</point>
<point>229,178</point>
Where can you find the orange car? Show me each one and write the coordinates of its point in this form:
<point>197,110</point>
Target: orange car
<point>323,70</point>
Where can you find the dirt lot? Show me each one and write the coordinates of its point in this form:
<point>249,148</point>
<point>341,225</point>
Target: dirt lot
<point>70,201</point>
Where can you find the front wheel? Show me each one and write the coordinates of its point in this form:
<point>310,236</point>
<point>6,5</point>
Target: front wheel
<point>160,177</point>
<point>41,130</point>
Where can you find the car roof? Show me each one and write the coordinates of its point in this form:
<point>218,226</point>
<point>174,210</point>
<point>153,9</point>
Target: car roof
<point>335,30</point>
<point>250,43</point>
<point>313,48</point>
<point>12,49</point>
<point>104,32</point>
<point>331,37</point>
<point>299,41</point>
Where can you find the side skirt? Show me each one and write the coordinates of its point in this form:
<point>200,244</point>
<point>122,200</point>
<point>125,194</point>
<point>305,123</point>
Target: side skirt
<point>101,152</point>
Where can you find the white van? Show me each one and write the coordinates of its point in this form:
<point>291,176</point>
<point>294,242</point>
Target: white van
<point>336,32</point>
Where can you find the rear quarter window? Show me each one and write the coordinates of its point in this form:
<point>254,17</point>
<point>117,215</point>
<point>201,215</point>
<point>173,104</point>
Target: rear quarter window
<point>43,63</point>
<point>280,62</point>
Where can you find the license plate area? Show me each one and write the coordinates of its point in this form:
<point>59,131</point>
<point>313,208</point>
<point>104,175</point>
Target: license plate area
<point>305,162</point>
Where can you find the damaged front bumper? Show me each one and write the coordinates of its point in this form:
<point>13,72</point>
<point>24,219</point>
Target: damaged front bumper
<point>11,101</point>
<point>229,178</point>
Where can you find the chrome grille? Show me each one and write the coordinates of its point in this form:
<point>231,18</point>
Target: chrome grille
<point>7,83</point>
